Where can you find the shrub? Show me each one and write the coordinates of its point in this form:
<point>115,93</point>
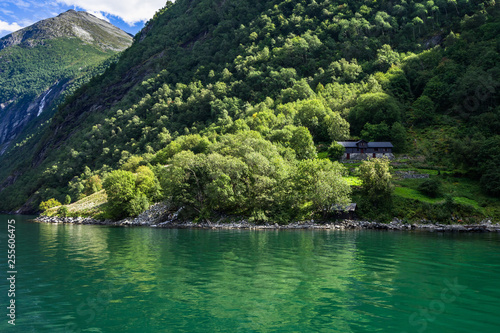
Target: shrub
<point>335,151</point>
<point>120,188</point>
<point>431,188</point>
<point>67,199</point>
<point>62,211</point>
<point>49,204</point>
<point>92,185</point>
<point>490,181</point>
<point>138,204</point>
<point>377,180</point>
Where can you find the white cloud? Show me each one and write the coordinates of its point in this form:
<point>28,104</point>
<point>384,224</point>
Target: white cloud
<point>130,11</point>
<point>6,28</point>
<point>20,3</point>
<point>99,15</point>
<point>6,12</point>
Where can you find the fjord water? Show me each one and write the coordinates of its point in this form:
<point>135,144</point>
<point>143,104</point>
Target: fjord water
<point>74,278</point>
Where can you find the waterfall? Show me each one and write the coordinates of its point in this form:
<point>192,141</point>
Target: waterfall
<point>42,103</point>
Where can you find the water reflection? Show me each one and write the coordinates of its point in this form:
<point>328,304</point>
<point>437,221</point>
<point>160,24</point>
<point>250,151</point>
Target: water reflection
<point>100,279</point>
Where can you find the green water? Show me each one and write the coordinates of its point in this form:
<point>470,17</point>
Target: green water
<point>101,279</point>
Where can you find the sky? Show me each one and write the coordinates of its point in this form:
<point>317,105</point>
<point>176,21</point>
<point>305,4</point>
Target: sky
<point>128,15</point>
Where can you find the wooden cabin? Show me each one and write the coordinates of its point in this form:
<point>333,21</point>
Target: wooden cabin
<point>360,150</point>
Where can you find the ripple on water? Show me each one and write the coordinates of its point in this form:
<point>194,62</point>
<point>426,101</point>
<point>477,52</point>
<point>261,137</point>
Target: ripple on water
<point>144,280</point>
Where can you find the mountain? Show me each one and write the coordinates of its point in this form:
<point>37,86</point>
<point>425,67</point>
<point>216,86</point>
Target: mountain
<point>222,106</point>
<point>44,61</point>
<point>71,24</point>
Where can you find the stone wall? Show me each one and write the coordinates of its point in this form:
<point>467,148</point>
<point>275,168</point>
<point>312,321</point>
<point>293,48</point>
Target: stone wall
<point>410,174</point>
<point>364,156</point>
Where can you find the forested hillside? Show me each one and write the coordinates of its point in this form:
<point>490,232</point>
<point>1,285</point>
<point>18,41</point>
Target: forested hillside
<point>221,106</point>
<point>44,62</point>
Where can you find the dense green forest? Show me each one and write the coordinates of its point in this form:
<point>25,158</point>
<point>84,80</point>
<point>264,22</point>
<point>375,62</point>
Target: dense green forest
<point>39,78</point>
<point>28,71</point>
<point>43,63</point>
<point>221,107</point>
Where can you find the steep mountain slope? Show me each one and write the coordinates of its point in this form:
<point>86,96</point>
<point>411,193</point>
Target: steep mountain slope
<point>40,62</point>
<point>206,77</point>
<point>73,24</point>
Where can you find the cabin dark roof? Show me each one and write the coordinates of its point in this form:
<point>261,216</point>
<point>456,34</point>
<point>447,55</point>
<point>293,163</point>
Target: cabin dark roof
<point>380,145</point>
<point>348,144</point>
<point>354,144</point>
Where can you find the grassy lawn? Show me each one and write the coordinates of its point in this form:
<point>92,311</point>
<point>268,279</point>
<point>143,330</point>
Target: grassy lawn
<point>88,206</point>
<point>467,201</point>
<point>410,193</point>
<point>464,191</point>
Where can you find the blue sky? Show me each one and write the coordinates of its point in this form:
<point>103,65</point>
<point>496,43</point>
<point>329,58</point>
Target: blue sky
<point>128,15</point>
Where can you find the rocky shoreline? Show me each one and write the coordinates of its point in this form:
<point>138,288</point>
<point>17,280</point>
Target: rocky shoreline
<point>154,219</point>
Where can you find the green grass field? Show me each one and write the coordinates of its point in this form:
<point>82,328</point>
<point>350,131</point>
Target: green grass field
<point>410,193</point>
<point>89,206</point>
<point>464,191</point>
